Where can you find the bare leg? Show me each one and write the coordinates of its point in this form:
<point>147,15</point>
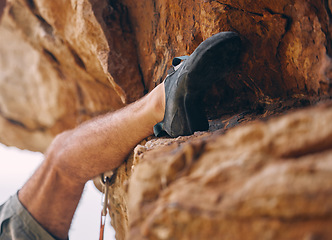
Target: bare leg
<point>51,195</point>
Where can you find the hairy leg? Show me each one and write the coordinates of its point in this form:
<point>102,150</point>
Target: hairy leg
<point>52,194</point>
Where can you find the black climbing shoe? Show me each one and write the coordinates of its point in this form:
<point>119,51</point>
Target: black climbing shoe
<point>188,80</point>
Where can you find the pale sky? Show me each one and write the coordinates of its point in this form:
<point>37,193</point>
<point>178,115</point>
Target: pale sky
<point>17,166</point>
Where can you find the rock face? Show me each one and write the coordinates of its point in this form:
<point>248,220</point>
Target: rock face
<point>264,180</point>
<point>63,62</point>
<point>286,42</point>
<point>57,69</point>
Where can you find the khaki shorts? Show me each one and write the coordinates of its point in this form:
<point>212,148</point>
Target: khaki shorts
<point>16,223</point>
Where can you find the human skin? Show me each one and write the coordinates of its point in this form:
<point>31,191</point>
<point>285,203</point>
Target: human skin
<point>53,192</point>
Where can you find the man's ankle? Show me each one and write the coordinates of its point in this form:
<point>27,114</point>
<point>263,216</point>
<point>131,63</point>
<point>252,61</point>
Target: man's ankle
<point>158,101</point>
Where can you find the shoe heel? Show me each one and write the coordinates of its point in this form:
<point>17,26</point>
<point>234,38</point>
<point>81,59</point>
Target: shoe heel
<point>195,111</point>
<point>158,129</point>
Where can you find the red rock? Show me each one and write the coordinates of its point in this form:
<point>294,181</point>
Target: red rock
<point>84,58</point>
<point>266,180</point>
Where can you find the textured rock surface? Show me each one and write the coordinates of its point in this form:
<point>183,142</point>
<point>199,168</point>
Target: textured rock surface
<point>264,180</point>
<point>286,44</point>
<point>57,69</point>
<point>63,62</point>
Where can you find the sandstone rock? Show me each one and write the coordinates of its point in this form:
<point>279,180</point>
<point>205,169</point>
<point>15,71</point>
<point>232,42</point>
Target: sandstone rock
<point>57,69</point>
<point>64,62</point>
<point>265,180</point>
<point>286,44</point>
